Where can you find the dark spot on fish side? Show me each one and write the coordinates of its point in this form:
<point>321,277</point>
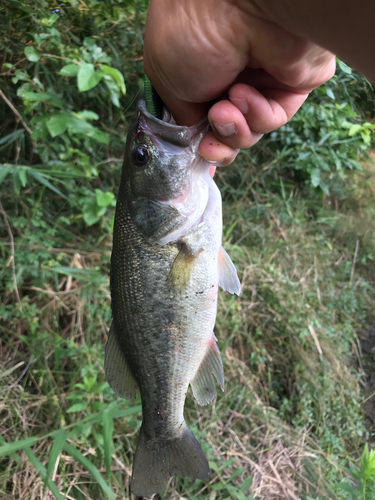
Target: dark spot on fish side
<point>199,292</point>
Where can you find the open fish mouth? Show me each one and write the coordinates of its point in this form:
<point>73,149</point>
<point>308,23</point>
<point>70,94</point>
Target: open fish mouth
<point>167,130</point>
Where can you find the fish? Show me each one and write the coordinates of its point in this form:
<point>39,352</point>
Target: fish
<point>167,263</point>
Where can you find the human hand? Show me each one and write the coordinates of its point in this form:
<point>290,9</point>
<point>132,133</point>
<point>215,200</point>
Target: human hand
<point>197,51</point>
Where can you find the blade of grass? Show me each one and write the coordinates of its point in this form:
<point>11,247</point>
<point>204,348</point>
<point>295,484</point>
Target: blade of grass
<point>11,370</point>
<point>125,412</point>
<point>41,470</point>
<point>11,137</point>
<point>115,412</point>
<point>41,178</point>
<point>90,467</point>
<point>57,446</point>
<point>13,455</point>
<point>91,274</point>
<point>235,474</point>
<point>9,448</point>
<point>107,437</point>
<point>247,483</point>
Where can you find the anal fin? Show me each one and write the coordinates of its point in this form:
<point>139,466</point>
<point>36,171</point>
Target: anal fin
<point>228,279</point>
<point>117,371</point>
<point>203,384</point>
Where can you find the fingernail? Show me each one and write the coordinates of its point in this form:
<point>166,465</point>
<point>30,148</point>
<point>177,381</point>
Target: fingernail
<point>241,104</point>
<point>224,129</point>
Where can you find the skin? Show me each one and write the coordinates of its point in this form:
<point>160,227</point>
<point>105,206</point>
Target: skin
<point>343,26</point>
<point>231,51</point>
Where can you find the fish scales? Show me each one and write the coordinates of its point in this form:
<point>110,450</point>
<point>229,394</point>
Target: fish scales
<point>166,336</point>
<point>166,266</point>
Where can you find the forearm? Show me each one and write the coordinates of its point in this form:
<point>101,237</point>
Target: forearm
<point>345,27</point>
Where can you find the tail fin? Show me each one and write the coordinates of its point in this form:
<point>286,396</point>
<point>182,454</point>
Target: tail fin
<point>157,460</point>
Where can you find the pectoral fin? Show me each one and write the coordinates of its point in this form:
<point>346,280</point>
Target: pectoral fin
<point>181,269</point>
<point>156,220</point>
<point>117,370</point>
<point>228,279</point>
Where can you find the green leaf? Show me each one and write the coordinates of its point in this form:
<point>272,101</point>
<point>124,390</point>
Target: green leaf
<point>116,75</point>
<point>104,199</point>
<point>32,54</point>
<point>87,77</point>
<point>76,407</point>
<point>4,171</point>
<point>349,489</point>
<point>20,75</point>
<point>369,125</point>
<point>42,179</point>
<point>247,483</point>
<point>90,216</point>
<point>345,68</point>
<point>9,138</point>
<point>83,127</point>
<point>90,467</point>
<point>69,70</point>
<point>315,177</point>
<point>218,486</point>
<point>40,97</point>
<point>16,181</point>
<point>107,438</point>
<point>57,446</point>
<point>114,99</point>
<point>22,174</point>
<point>324,187</point>
<point>41,470</point>
<point>86,114</point>
<point>9,448</point>
<point>330,93</point>
<point>85,72</point>
<point>57,124</point>
<point>354,129</point>
<point>366,137</point>
<point>89,43</point>
<point>236,493</point>
<point>36,96</point>
<point>227,463</point>
<point>100,136</point>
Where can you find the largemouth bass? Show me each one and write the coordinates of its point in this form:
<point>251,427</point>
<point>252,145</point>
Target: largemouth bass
<point>167,263</point>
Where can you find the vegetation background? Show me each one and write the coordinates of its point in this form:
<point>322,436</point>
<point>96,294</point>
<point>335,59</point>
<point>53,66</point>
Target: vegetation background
<point>299,213</point>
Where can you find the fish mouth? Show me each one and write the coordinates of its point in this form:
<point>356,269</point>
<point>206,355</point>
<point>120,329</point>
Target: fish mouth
<point>178,135</point>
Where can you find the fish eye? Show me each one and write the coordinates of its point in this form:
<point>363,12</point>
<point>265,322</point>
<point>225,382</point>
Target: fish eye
<point>140,156</point>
